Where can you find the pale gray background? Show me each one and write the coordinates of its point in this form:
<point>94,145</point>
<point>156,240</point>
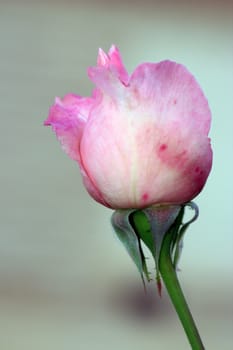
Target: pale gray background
<point>65,281</point>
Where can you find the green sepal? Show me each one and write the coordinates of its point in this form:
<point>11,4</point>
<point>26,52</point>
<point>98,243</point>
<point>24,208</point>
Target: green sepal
<point>125,232</point>
<point>139,218</point>
<point>178,242</point>
<point>151,225</point>
<point>161,219</point>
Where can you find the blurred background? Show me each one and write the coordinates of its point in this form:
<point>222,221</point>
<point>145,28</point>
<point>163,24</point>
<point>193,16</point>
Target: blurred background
<point>65,281</point>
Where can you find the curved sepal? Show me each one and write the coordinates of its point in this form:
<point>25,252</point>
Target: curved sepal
<point>161,219</point>
<point>151,226</point>
<point>125,232</point>
<point>178,244</point>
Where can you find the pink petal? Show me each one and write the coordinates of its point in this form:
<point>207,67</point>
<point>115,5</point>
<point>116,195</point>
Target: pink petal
<point>139,140</point>
<point>107,149</point>
<point>110,74</point>
<point>152,146</point>
<point>68,117</point>
<point>92,188</point>
<point>113,61</point>
<point>177,133</point>
<point>172,94</point>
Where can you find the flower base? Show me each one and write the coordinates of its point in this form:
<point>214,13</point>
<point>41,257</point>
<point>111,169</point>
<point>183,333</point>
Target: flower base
<point>161,229</point>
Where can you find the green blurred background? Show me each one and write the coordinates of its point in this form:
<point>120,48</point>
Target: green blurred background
<point>65,281</point>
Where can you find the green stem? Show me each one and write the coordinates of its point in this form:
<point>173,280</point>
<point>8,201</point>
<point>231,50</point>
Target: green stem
<point>171,282</point>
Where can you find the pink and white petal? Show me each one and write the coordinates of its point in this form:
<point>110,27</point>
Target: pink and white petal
<point>67,117</point>
<point>102,58</point>
<point>92,189</point>
<point>177,168</point>
<point>155,162</point>
<point>171,93</point>
<point>178,123</point>
<point>113,62</point>
<point>107,155</point>
<point>116,63</point>
<point>110,74</point>
<point>76,104</point>
<point>107,82</point>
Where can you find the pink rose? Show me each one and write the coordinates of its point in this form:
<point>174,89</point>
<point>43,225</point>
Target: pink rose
<point>140,139</point>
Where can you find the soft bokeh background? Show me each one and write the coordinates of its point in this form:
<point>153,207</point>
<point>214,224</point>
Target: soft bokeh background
<point>65,281</point>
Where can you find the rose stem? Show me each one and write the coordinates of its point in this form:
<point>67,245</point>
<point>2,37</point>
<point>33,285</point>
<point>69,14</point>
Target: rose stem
<point>171,282</point>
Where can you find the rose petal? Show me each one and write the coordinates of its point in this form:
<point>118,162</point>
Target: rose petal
<point>68,117</point>
<point>171,93</point>
<point>110,74</point>
<point>139,140</point>
<point>152,147</point>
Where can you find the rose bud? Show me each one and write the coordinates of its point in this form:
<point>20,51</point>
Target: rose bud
<point>140,139</point>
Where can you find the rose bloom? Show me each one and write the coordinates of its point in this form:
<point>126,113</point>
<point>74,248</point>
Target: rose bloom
<point>140,139</point>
